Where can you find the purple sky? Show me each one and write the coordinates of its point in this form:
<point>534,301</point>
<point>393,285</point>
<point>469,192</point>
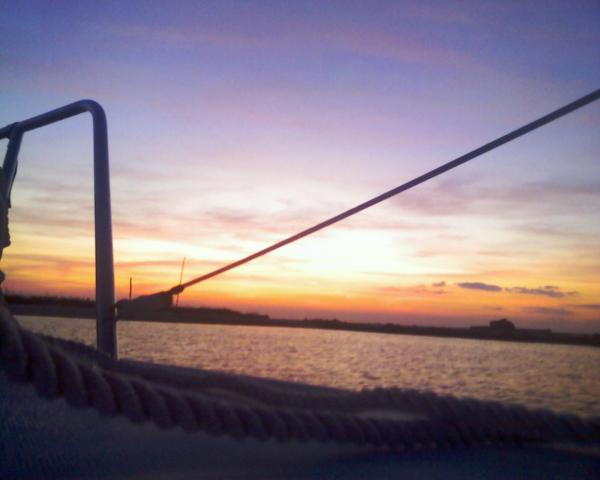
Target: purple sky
<point>233,124</point>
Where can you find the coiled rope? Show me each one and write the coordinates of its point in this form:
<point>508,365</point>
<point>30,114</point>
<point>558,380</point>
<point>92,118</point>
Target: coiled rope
<point>221,404</point>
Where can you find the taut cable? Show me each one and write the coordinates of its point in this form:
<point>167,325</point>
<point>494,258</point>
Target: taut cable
<point>519,132</point>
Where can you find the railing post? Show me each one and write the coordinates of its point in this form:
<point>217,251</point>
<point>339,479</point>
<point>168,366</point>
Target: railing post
<point>10,161</point>
<point>106,329</point>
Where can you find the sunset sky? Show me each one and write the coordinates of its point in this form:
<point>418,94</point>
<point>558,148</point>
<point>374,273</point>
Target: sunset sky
<point>235,124</point>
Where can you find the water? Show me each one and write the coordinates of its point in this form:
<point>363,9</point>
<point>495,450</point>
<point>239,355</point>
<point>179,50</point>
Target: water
<point>560,377</point>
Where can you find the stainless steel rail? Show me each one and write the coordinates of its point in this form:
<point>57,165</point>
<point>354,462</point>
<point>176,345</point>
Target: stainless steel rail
<point>105,280</point>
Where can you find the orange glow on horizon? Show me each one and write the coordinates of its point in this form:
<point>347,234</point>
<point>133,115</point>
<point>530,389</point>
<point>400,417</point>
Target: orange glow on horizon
<point>302,293</point>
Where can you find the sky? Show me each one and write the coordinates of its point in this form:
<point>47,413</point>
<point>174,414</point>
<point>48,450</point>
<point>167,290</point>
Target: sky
<point>235,124</point>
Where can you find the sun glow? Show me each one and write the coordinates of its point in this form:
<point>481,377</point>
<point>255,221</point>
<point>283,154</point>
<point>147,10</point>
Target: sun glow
<point>253,138</point>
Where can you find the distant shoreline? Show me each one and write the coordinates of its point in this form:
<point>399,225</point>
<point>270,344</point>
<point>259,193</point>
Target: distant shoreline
<point>83,308</point>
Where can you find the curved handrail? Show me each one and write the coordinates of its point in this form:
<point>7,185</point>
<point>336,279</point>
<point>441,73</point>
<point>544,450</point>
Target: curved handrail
<point>105,282</point>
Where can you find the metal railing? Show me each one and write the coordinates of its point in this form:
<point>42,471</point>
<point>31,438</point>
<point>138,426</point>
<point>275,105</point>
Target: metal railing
<point>105,280</point>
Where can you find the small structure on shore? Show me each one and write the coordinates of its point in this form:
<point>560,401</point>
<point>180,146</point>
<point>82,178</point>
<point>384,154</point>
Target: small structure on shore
<point>500,328</point>
<point>504,328</point>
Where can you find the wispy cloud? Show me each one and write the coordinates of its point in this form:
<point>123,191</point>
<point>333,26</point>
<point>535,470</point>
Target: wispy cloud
<point>549,311</point>
<point>550,291</point>
<point>407,290</point>
<point>480,286</point>
<point>460,195</point>
<point>305,31</point>
<point>547,291</point>
<point>586,306</point>
<point>44,260</point>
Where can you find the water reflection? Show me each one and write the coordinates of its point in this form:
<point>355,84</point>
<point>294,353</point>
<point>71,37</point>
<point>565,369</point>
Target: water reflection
<point>559,377</point>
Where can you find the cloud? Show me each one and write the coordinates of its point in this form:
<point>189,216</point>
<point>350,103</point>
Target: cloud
<point>471,196</point>
<point>587,306</point>
<point>31,260</point>
<point>307,31</point>
<point>439,284</point>
<point>550,291</point>
<point>547,291</point>
<point>409,290</point>
<point>560,312</point>
<point>480,286</point>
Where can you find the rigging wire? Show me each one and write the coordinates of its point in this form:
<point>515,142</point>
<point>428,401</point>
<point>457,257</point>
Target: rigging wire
<point>180,280</point>
<point>591,97</point>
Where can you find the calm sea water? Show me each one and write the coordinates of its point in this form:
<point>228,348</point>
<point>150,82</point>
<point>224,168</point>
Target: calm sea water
<point>559,377</point>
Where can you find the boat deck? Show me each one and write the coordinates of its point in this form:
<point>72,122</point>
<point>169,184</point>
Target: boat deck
<point>41,438</point>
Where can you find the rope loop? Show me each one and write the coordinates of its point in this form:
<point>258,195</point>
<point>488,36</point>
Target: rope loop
<point>221,404</point>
